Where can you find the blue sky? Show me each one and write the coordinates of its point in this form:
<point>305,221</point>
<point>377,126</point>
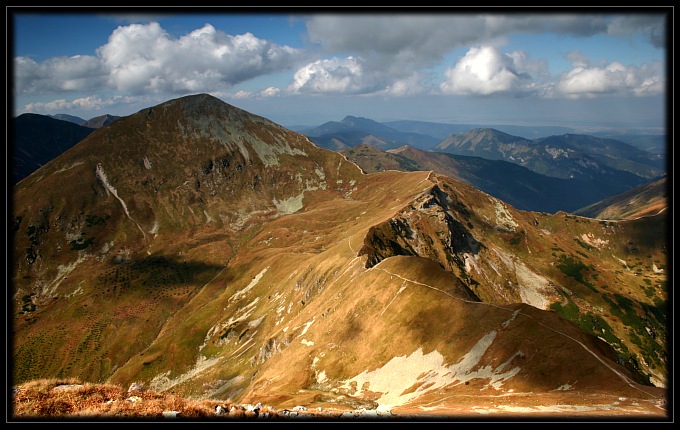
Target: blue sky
<point>588,69</point>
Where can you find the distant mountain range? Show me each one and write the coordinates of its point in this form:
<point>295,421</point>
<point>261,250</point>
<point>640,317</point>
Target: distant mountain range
<point>353,131</point>
<point>70,118</point>
<point>567,156</point>
<point>565,172</point>
<point>95,122</point>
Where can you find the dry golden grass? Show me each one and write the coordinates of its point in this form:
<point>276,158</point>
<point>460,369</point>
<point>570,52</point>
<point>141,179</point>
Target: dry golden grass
<point>70,398</point>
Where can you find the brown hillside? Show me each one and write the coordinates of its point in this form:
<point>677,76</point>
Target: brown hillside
<point>205,252</point>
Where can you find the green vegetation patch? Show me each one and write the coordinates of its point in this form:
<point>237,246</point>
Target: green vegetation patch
<point>583,244</point>
<point>597,326</point>
<point>646,323</point>
<point>574,268</point>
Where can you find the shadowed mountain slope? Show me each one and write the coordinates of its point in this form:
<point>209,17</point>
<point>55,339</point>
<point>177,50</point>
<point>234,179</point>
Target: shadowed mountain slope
<point>37,139</point>
<point>201,250</point>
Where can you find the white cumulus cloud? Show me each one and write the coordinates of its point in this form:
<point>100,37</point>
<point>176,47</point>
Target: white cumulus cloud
<point>142,58</point>
<point>91,103</point>
<point>80,72</point>
<point>586,80</point>
<point>145,57</point>
<point>333,75</point>
<point>270,92</point>
<point>486,70</point>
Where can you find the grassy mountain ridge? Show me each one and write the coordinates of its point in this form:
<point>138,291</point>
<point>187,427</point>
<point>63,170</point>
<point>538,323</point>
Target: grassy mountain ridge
<point>645,200</point>
<point>205,251</point>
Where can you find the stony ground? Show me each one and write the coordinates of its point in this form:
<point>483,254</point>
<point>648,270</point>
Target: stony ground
<point>81,402</point>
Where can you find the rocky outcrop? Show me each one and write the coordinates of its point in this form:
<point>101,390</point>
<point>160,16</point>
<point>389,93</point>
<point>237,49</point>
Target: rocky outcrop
<point>427,228</point>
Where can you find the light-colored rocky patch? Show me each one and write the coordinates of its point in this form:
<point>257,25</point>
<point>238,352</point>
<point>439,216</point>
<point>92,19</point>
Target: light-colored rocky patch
<point>101,175</point>
<point>147,163</point>
<point>70,237</point>
<point>255,323</point>
<point>321,377</point>
<point>470,263</point>
<point>565,387</point>
<point>244,216</point>
<point>163,382</point>
<point>69,167</point>
<point>252,283</point>
<point>320,173</point>
<point>154,228</point>
<point>504,220</point>
<point>556,152</point>
<point>106,247</point>
<point>219,388</point>
<point>62,273</point>
<point>621,261</point>
<point>591,240</point>
<point>79,290</point>
<point>395,380</point>
<point>240,315</point>
<point>289,205</point>
<point>232,133</point>
<point>307,326</point>
<point>534,289</point>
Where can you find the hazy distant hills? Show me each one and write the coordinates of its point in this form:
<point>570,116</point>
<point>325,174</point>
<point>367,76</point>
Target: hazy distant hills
<point>100,121</point>
<point>656,144</point>
<point>353,131</point>
<point>95,122</point>
<point>602,166</point>
<point>37,139</point>
<point>198,249</point>
<point>563,156</point>
<point>418,134</point>
<point>69,118</point>
<point>517,185</point>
